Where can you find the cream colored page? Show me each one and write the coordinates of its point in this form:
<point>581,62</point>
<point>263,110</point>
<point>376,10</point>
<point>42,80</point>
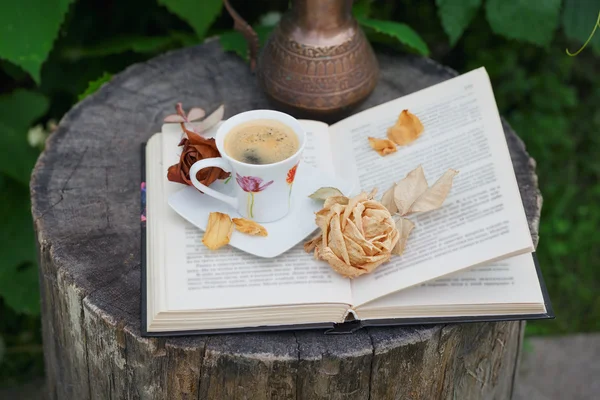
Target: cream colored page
<point>510,281</point>
<point>198,278</point>
<point>481,220</point>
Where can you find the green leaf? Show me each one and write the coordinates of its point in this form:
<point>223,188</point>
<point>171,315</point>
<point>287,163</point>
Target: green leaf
<point>122,44</point>
<point>578,19</point>
<point>361,8</point>
<point>18,110</point>
<point>94,85</point>
<point>28,29</point>
<point>401,32</point>
<point>234,41</point>
<point>200,14</point>
<point>18,273</point>
<point>525,20</point>
<point>456,15</point>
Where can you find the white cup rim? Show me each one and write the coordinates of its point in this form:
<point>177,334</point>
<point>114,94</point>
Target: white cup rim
<point>237,119</point>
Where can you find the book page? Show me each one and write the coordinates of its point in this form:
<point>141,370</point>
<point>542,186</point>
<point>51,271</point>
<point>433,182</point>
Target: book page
<point>198,278</point>
<point>481,220</point>
<point>510,281</point>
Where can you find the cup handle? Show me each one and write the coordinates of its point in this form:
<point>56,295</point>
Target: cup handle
<point>212,162</point>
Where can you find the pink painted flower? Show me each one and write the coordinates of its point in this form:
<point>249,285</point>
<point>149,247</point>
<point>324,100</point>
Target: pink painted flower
<point>251,184</point>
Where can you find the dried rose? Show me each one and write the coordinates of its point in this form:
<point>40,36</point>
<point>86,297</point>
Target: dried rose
<point>407,129</point>
<point>196,148</point>
<point>357,234</point>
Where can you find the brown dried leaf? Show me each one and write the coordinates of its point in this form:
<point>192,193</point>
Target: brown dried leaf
<point>388,200</point>
<point>218,230</point>
<point>382,146</point>
<point>405,227</point>
<point>325,192</point>
<point>206,123</point>
<point>410,189</point>
<point>434,197</point>
<point>407,129</point>
<point>249,227</point>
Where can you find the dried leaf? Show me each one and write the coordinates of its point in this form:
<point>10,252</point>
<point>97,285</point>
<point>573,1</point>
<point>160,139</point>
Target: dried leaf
<point>410,189</point>
<point>249,227</point>
<point>407,129</point>
<point>218,230</point>
<point>388,200</point>
<point>325,192</point>
<point>208,122</point>
<point>174,118</point>
<point>195,114</point>
<point>405,227</point>
<point>382,146</point>
<point>434,197</point>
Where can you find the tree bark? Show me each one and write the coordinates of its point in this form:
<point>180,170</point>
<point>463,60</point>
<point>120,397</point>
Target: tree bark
<point>85,195</point>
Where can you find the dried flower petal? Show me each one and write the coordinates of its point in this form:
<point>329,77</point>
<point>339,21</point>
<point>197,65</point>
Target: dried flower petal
<point>313,243</point>
<point>407,129</point>
<point>409,189</point>
<point>343,200</point>
<point>434,197</point>
<point>404,226</point>
<point>382,146</point>
<point>325,192</point>
<point>218,230</point>
<point>249,227</point>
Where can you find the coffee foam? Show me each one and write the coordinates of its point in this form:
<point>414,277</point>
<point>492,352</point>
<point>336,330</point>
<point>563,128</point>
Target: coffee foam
<point>262,141</point>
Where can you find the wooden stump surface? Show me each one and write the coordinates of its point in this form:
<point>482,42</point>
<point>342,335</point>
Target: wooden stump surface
<point>86,201</point>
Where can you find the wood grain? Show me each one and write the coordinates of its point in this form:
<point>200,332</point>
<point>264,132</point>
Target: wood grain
<point>85,194</point>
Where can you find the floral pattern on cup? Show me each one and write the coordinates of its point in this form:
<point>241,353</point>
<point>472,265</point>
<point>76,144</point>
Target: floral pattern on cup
<point>251,185</point>
<point>291,175</point>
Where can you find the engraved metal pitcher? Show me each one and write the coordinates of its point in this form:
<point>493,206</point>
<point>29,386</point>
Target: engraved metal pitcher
<point>317,61</point>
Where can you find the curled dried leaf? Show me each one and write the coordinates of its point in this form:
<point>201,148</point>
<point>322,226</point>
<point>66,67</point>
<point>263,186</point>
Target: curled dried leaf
<point>249,227</point>
<point>410,189</point>
<point>382,146</point>
<point>405,227</point>
<point>434,197</point>
<point>218,230</point>
<point>407,129</point>
<point>326,192</point>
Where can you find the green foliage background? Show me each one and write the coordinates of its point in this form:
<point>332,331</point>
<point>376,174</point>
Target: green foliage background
<point>53,53</point>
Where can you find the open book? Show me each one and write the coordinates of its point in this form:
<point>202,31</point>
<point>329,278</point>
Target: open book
<point>469,260</point>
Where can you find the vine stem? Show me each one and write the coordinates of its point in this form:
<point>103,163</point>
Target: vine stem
<point>588,39</point>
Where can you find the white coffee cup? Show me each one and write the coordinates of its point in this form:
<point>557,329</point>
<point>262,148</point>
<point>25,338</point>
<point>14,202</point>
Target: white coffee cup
<point>262,192</point>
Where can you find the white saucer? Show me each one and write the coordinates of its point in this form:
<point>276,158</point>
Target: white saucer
<point>282,234</point>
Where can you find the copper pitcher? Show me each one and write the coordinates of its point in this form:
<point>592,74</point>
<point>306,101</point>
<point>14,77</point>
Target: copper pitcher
<point>317,61</point>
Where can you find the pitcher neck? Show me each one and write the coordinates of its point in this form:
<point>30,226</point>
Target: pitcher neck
<point>322,14</point>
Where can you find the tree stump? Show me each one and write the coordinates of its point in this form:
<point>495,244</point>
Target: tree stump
<point>85,193</point>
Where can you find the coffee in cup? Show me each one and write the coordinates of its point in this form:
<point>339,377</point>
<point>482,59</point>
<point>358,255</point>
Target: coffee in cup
<point>259,142</point>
